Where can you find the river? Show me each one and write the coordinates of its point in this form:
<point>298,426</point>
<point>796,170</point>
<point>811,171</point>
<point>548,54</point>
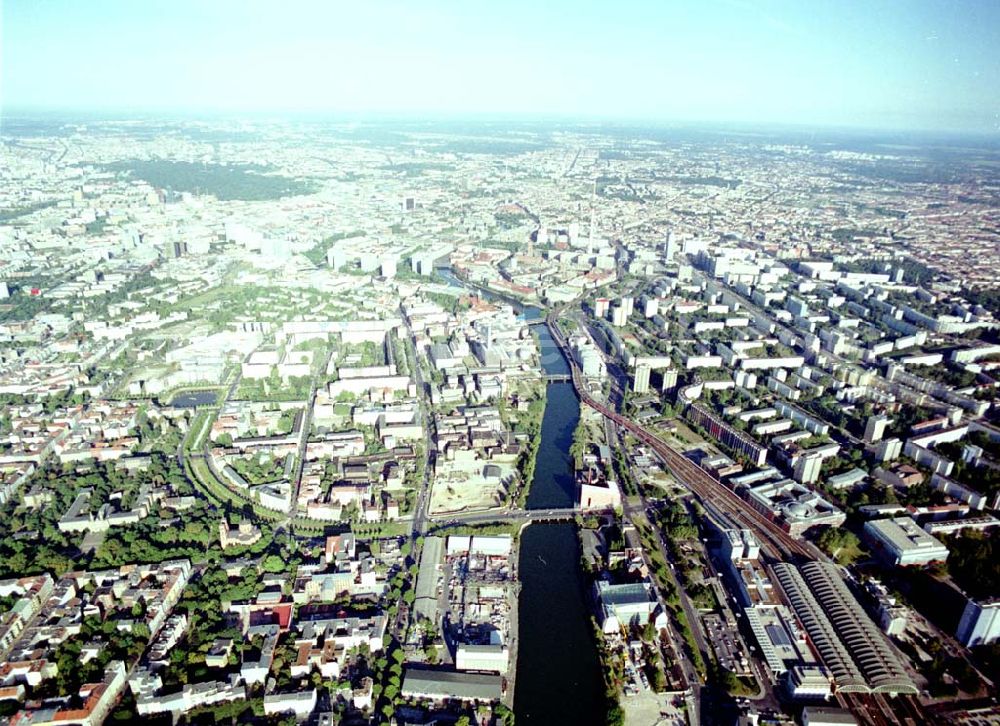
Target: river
<point>558,672</point>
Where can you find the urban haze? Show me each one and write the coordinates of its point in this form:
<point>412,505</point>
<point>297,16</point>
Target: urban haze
<point>489,365</point>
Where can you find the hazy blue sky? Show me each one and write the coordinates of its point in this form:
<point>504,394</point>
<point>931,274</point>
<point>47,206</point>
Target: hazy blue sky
<point>873,63</point>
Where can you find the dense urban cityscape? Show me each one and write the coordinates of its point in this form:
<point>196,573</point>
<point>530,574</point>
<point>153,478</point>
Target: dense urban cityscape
<point>560,363</point>
<point>465,423</point>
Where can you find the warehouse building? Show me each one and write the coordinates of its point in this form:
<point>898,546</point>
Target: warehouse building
<point>451,686</point>
<point>622,605</point>
<point>492,658</point>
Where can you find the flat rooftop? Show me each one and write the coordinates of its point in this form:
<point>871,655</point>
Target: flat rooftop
<point>903,534</point>
<point>452,684</point>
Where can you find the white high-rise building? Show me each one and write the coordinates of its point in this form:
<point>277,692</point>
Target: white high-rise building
<point>587,356</point>
<point>574,233</point>
<point>640,383</point>
<point>740,544</point>
<point>889,450</point>
<point>672,247</point>
<point>807,468</point>
<point>980,623</point>
<point>797,306</point>
<point>669,380</point>
<point>875,428</point>
<point>694,246</point>
<point>542,237</point>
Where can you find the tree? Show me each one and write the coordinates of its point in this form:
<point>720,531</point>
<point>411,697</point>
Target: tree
<point>431,654</point>
<point>841,544</point>
<point>505,717</point>
<point>649,631</point>
<point>273,563</point>
<point>659,680</point>
<point>580,442</point>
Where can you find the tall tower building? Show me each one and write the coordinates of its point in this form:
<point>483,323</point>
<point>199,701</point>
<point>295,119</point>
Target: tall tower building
<point>889,450</point>
<point>671,246</point>
<point>593,220</point>
<point>807,468</point>
<point>669,380</point>
<point>980,623</point>
<point>640,383</point>
<point>875,428</point>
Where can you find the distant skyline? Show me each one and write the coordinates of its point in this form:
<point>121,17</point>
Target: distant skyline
<point>879,64</point>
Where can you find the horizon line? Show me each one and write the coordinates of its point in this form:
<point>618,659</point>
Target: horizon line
<point>582,119</point>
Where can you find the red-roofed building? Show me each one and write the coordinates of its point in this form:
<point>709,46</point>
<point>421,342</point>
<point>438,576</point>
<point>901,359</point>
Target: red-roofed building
<point>97,698</point>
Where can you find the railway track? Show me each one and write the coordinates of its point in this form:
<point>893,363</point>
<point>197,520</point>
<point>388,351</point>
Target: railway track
<point>882,710</point>
<point>701,483</point>
<point>875,708</point>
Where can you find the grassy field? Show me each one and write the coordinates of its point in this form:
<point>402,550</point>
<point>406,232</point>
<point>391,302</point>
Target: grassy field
<point>200,427</point>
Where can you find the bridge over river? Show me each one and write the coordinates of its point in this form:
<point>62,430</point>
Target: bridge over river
<point>558,378</point>
<point>565,514</point>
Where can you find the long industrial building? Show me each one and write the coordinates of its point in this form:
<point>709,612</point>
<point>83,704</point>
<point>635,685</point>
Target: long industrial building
<point>849,643</point>
<point>435,685</point>
<point>727,435</point>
